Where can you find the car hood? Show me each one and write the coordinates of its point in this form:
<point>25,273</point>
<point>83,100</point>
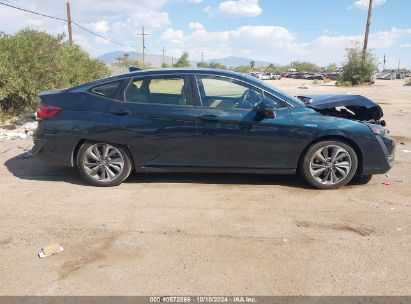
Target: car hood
<point>359,107</point>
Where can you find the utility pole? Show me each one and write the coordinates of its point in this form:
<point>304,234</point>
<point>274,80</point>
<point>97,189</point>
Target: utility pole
<point>367,30</point>
<point>142,34</point>
<point>202,57</point>
<point>385,60</point>
<point>163,57</point>
<point>172,60</point>
<point>70,31</point>
<point>399,63</point>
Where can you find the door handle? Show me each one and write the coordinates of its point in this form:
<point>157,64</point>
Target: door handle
<point>120,112</point>
<point>210,118</point>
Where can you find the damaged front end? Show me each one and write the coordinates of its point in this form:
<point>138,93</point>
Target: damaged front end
<point>354,107</point>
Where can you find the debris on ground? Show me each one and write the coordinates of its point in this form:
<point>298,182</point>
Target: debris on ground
<point>303,87</point>
<point>50,250</point>
<point>21,129</point>
<point>406,151</point>
<point>386,183</point>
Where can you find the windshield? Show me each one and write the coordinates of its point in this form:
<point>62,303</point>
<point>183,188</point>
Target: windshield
<point>291,99</point>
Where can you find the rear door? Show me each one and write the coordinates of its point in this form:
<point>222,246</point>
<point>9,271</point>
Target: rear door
<point>156,120</point>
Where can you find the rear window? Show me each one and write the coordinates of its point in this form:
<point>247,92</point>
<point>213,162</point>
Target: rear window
<point>107,90</point>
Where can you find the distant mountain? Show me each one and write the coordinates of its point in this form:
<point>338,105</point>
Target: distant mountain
<point>156,60</point>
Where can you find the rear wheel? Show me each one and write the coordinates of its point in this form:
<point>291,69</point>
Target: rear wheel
<point>329,164</point>
<point>102,164</point>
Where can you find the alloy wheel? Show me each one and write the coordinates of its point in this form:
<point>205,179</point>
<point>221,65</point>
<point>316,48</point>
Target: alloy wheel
<point>103,162</point>
<point>330,164</point>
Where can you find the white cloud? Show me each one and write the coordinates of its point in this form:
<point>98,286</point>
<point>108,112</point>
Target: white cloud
<point>195,1</point>
<point>363,4</point>
<point>272,43</point>
<point>406,45</point>
<point>100,27</point>
<point>235,8</point>
<point>195,26</point>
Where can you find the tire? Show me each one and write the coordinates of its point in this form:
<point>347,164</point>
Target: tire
<point>361,179</point>
<point>328,164</point>
<point>102,164</point>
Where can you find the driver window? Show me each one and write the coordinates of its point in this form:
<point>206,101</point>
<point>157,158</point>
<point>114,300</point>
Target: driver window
<point>226,93</point>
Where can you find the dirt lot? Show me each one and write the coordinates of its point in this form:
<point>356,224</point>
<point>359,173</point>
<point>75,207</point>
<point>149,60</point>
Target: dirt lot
<point>199,234</point>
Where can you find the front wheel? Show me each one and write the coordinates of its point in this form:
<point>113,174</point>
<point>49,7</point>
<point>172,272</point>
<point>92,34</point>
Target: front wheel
<point>329,164</point>
<point>102,164</point>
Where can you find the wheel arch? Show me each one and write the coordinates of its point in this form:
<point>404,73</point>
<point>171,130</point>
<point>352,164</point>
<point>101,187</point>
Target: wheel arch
<point>83,140</point>
<point>344,139</point>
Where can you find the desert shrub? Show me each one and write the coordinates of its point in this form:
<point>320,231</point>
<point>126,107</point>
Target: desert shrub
<point>344,84</point>
<point>358,69</point>
<point>33,61</point>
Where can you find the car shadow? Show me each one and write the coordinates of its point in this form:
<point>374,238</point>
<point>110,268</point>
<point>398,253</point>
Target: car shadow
<point>24,166</point>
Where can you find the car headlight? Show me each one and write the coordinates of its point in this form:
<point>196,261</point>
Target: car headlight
<point>378,130</point>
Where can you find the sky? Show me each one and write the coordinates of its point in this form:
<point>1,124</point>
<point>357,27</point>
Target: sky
<point>275,31</point>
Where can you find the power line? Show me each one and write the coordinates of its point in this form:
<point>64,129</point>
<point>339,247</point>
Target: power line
<point>65,20</point>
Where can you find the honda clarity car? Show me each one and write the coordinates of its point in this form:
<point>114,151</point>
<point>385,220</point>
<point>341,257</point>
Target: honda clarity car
<point>203,120</point>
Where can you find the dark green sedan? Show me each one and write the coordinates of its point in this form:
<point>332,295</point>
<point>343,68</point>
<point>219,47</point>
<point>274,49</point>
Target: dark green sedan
<point>200,120</point>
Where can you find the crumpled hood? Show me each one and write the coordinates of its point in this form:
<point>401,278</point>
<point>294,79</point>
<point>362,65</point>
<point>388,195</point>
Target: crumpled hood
<point>361,107</point>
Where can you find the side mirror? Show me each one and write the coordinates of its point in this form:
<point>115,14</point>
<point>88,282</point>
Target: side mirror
<point>266,109</point>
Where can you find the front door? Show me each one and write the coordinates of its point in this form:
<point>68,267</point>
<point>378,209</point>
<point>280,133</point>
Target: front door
<point>232,133</point>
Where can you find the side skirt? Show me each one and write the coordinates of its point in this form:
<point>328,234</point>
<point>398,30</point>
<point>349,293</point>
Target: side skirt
<point>163,169</point>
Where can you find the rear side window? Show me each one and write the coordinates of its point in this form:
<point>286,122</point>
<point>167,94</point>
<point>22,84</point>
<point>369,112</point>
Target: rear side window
<point>107,90</point>
<point>166,90</point>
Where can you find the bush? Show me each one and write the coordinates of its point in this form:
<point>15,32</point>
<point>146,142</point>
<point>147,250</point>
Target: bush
<point>33,61</point>
<point>358,70</point>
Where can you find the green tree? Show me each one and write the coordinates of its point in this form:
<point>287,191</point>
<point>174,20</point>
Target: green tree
<point>358,70</point>
<point>304,66</point>
<point>33,61</point>
<point>203,65</point>
<point>252,64</point>
<point>216,65</point>
<point>331,68</point>
<point>242,69</point>
<point>183,61</point>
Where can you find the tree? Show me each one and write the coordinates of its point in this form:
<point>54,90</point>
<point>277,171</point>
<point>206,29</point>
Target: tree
<point>242,69</point>
<point>332,67</point>
<point>252,64</point>
<point>304,66</point>
<point>33,61</point>
<point>183,61</point>
<point>358,69</point>
<point>202,65</point>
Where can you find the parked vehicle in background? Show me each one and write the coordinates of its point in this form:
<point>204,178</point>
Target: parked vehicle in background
<point>255,75</point>
<point>275,76</point>
<point>388,76</point>
<point>400,76</point>
<point>312,76</point>
<point>265,76</point>
<point>333,76</point>
<point>291,75</point>
<point>202,120</point>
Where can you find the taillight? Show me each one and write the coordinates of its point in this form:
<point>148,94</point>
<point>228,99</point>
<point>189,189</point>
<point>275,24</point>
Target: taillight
<point>45,112</point>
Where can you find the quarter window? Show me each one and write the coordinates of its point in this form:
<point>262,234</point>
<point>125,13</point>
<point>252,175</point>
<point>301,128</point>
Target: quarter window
<point>157,90</point>
<point>107,90</point>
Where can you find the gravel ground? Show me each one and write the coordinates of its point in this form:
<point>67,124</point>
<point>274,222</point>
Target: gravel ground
<point>209,234</point>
